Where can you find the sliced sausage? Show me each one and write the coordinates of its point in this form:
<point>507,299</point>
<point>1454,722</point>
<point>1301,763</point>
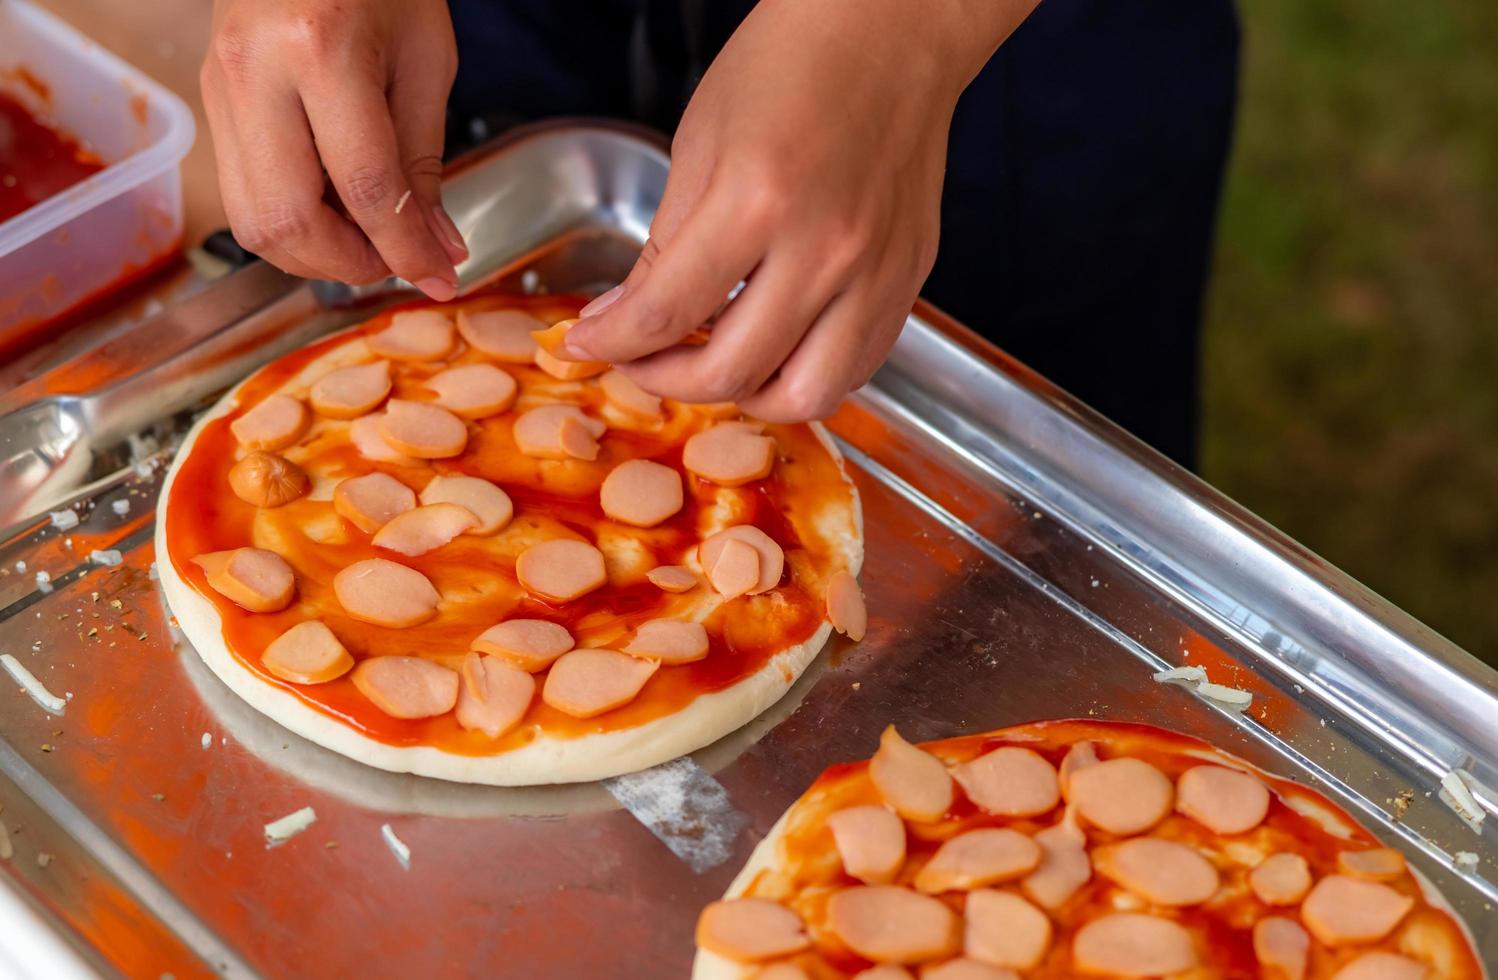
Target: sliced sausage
<point>530,644</point>
<point>256,579</point>
<point>1121,796</point>
<point>643,493</point>
<point>267,480</point>
<point>1282,948</point>
<point>415,335</point>
<point>909,779</point>
<point>1374,864</point>
<point>583,682</point>
<point>494,695</point>
<point>407,687</point>
<point>504,335</point>
<point>671,641</point>
<point>845,606</point>
<point>871,842</point>
<point>629,397</point>
<point>1131,944</point>
<point>487,502</point>
<point>771,556</point>
<point>672,578</point>
<point>1063,869</point>
<point>567,370</point>
<point>884,971</point>
<point>1383,966</point>
<point>422,430</point>
<point>1281,879</point>
<point>977,858</point>
<point>964,968</point>
<point>781,971</point>
<point>730,454</point>
<point>308,653</point>
<point>1223,800</point>
<point>273,424</point>
<point>557,432</point>
<point>371,501</point>
<point>889,924</point>
<point>424,528</point>
<point>1079,756</point>
<point>364,433</point>
<point>750,930</point>
<point>1161,871</point>
<point>1340,910</point>
<point>560,570</point>
<point>736,570</point>
<point>386,594</point>
<point>473,391</point>
<point>1005,930</point>
<point>349,392</point>
<point>1010,782</point>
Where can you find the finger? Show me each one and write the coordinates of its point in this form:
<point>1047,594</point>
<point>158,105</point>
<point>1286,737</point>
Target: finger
<point>418,97</point>
<point>355,136</point>
<point>678,290</point>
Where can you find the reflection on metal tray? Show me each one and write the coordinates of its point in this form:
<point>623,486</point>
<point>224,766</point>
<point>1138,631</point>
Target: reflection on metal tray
<point>1025,560</point>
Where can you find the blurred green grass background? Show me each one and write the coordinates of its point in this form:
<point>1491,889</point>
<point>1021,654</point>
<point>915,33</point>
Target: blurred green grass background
<point>1351,355</point>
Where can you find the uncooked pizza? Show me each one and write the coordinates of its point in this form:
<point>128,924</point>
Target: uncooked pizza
<point>435,544</point>
<point>1073,848</point>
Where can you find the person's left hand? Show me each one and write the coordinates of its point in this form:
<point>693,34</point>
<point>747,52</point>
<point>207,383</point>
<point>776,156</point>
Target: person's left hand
<point>808,164</point>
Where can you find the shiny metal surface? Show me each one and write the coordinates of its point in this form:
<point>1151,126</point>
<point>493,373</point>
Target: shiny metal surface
<point>1025,560</point>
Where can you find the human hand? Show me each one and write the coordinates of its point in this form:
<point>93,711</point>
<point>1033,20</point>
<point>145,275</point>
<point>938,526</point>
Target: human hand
<point>809,164</point>
<point>293,88</point>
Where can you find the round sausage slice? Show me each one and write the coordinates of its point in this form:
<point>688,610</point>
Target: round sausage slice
<point>1383,966</point>
<point>1340,910</point>
<point>1005,930</point>
<point>560,570</point>
<point>364,433</point>
<point>1010,782</point>
<point>557,432</point>
<point>964,968</point>
<point>771,556</point>
<point>1282,948</point>
<point>371,501</point>
<point>256,579</point>
<point>889,924</point>
<point>871,842</point>
<point>415,335</point>
<point>308,653</point>
<point>671,641</point>
<point>884,971</point>
<point>494,695</point>
<point>1281,879</point>
<point>487,502</point>
<point>407,687</point>
<point>750,930</point>
<point>643,493</point>
<point>273,424</point>
<point>1223,800</point>
<point>672,578</point>
<point>386,594</point>
<point>504,335</point>
<point>1130,944</point>
<point>473,391</point>
<point>530,644</point>
<point>1063,869</point>
<point>422,430</point>
<point>845,606</point>
<point>629,397</point>
<point>977,858</point>
<point>781,971</point>
<point>424,528</point>
<point>730,454</point>
<point>1121,796</point>
<point>1374,864</point>
<point>1162,871</point>
<point>583,683</point>
<point>349,392</point>
<point>267,480</point>
<point>567,370</point>
<point>909,779</point>
<point>736,570</point>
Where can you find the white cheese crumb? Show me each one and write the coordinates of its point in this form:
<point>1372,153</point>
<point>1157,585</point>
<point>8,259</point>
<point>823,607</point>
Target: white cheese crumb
<point>401,204</point>
<point>397,846</point>
<point>530,281</point>
<point>282,830</point>
<point>43,582</point>
<point>7,851</point>
<point>151,572</point>
<point>64,520</point>
<point>121,506</point>
<point>143,469</point>
<point>20,566</point>
<point>1189,675</point>
<point>207,741</point>
<point>31,685</point>
<point>1464,861</point>
<point>109,556</point>
<point>1455,794</point>
<point>1222,694</point>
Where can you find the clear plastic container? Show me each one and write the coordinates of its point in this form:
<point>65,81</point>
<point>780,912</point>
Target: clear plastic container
<point>116,225</point>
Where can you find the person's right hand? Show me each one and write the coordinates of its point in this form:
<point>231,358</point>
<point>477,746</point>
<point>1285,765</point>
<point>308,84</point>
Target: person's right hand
<point>355,88</point>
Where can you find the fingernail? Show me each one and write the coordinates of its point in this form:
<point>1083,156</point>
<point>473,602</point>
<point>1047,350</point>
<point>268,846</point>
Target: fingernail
<point>602,302</point>
<point>575,350</point>
<point>438,289</point>
<point>449,229</point>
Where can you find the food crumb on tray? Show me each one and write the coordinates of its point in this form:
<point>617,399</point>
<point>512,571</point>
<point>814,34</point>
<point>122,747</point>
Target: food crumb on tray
<point>282,830</point>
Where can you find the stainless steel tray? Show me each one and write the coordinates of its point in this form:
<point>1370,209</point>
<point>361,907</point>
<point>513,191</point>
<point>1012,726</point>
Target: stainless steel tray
<point>1025,560</point>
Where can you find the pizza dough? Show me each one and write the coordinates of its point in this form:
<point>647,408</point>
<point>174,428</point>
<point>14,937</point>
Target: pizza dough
<point>842,886</point>
<point>475,529</point>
